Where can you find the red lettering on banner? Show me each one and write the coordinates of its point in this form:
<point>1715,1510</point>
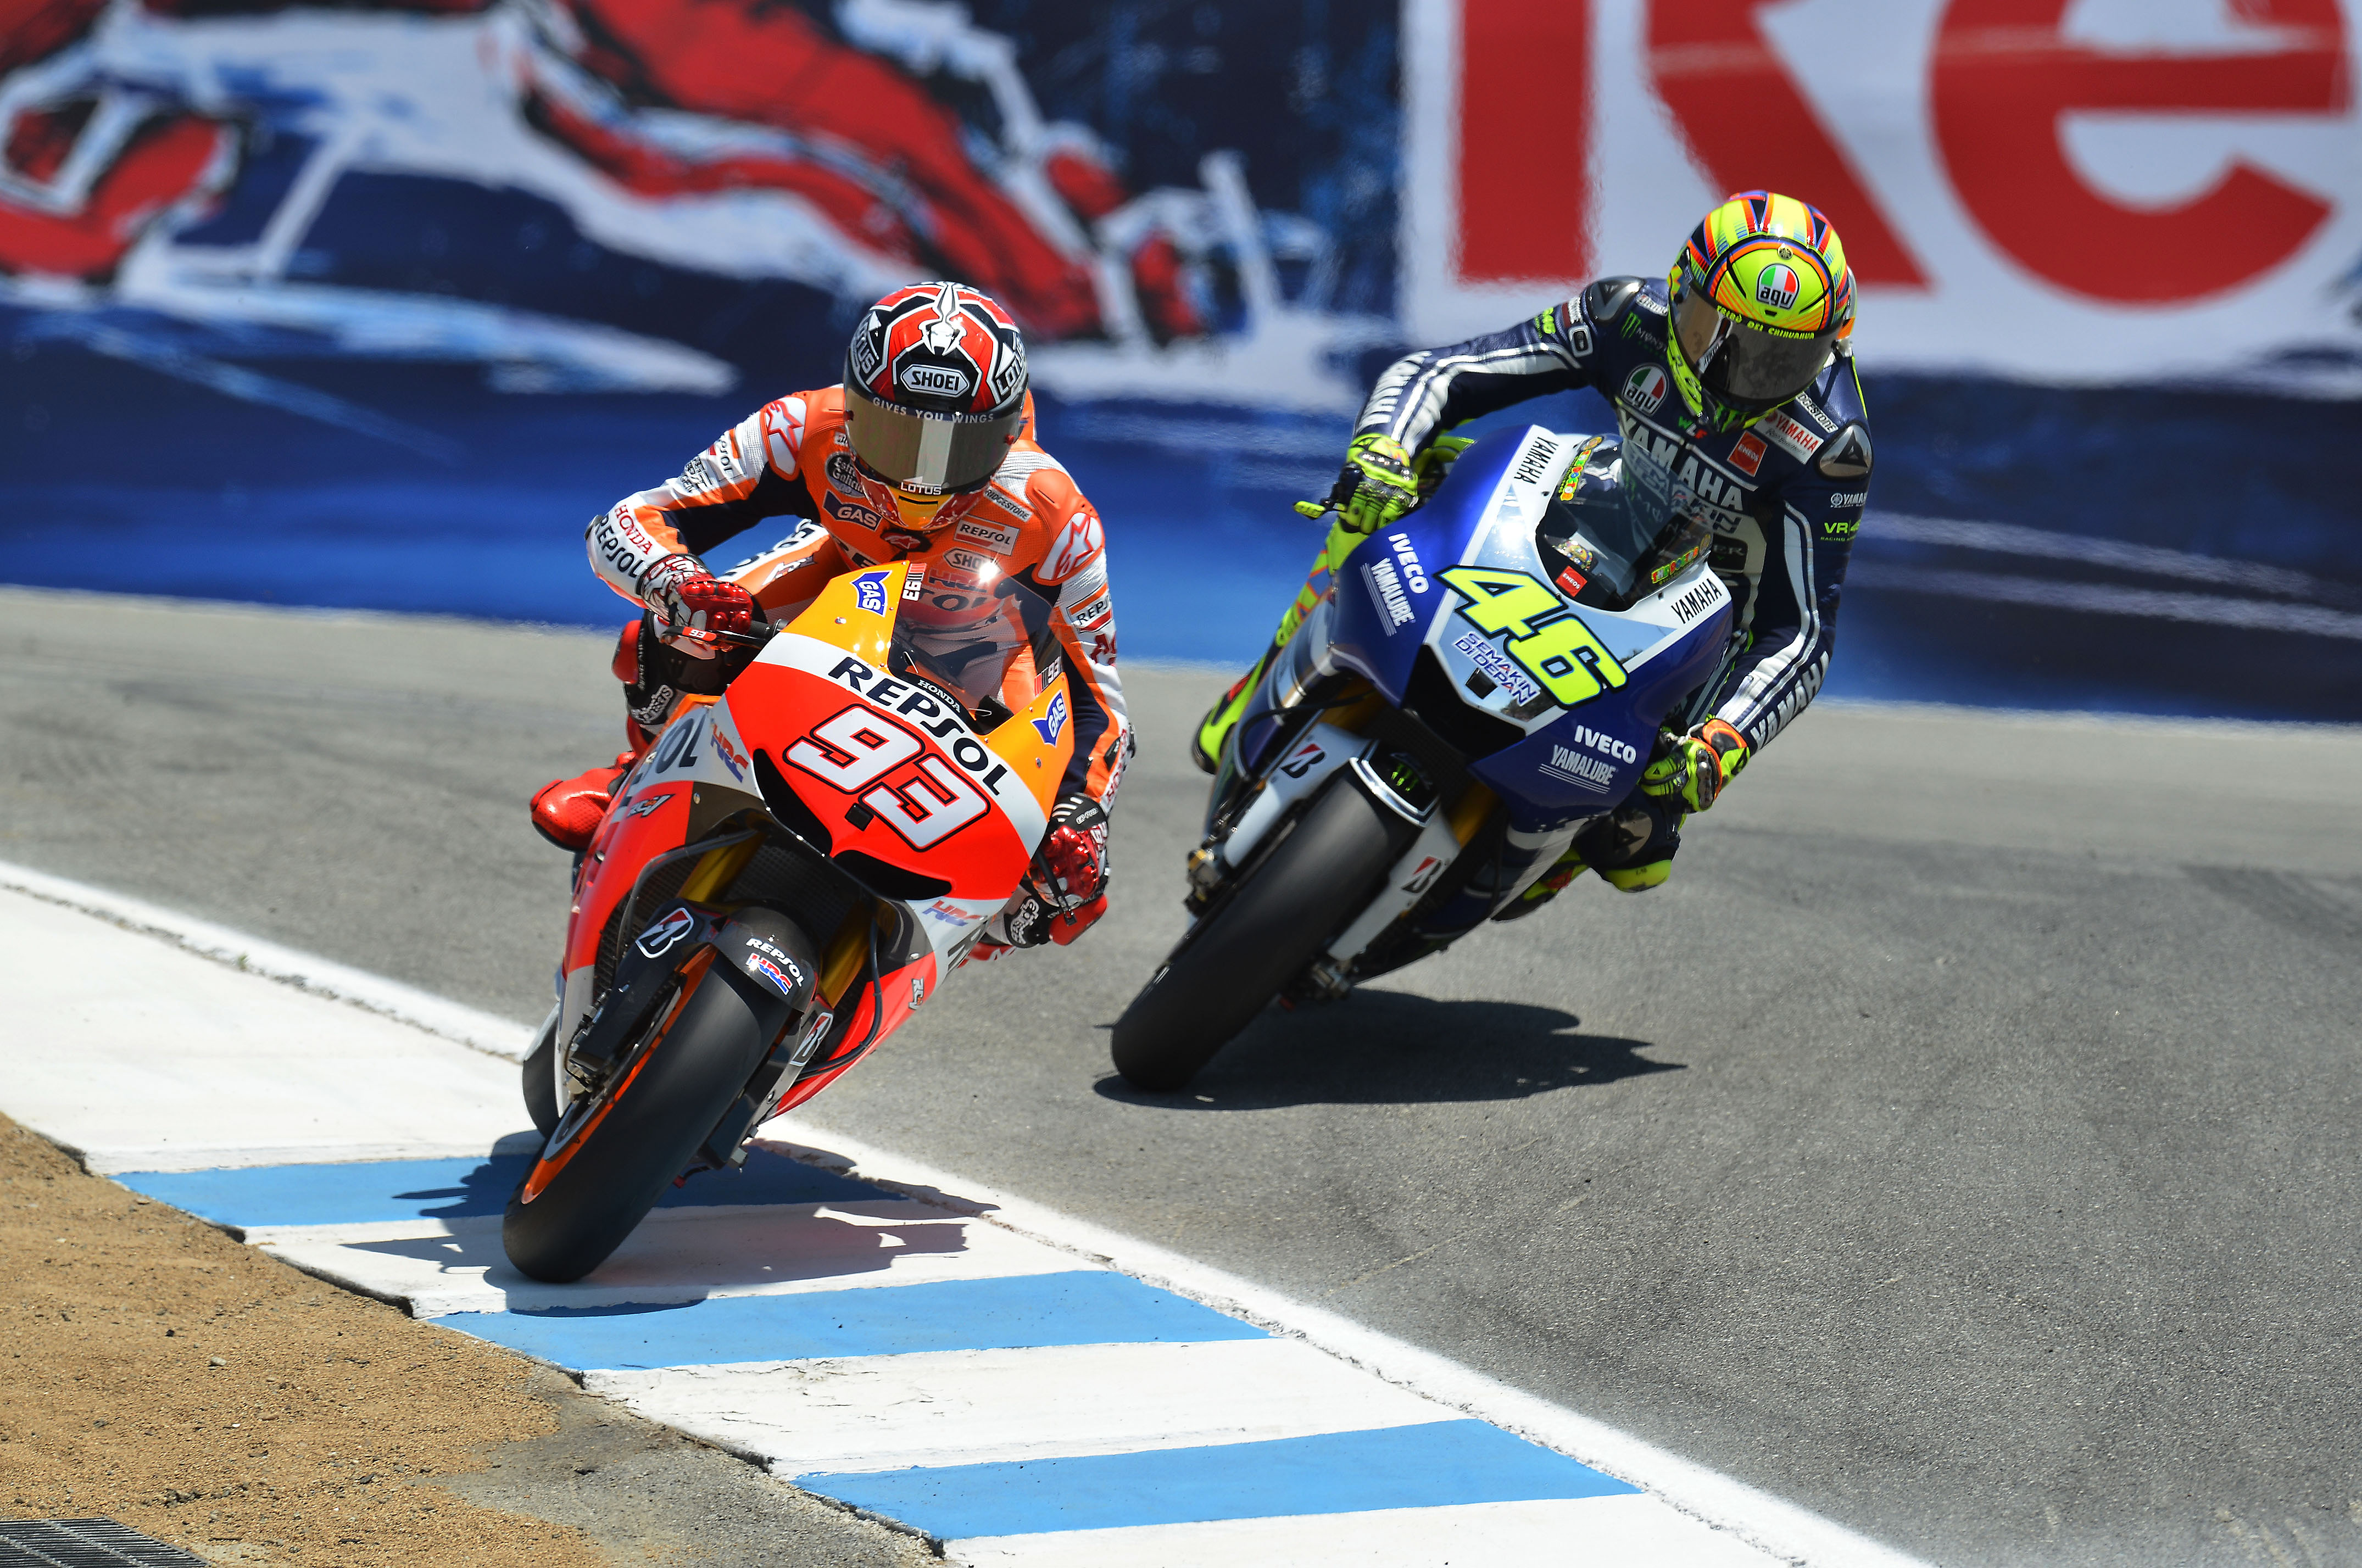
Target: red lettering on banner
<point>2004,77</point>
<point>1753,130</point>
<point>1525,139</point>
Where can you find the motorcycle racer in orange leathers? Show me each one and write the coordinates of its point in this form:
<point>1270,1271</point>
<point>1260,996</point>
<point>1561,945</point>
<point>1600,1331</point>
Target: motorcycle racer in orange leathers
<point>925,451</point>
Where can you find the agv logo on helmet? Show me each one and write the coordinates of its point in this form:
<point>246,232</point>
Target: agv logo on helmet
<point>1761,296</point>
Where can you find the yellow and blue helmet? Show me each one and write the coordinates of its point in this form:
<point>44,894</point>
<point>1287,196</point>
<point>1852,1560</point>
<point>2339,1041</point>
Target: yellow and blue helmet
<point>1761,296</point>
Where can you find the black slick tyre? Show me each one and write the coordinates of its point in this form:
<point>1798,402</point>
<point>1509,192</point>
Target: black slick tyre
<point>540,1075</point>
<point>1257,940</point>
<point>611,1174</point>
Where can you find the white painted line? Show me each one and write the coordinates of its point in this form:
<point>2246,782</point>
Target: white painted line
<point>886,1412</point>
<point>2107,599</point>
<point>676,1254</point>
<point>1782,1529</point>
<point>121,1046</point>
<point>2018,541</point>
<point>194,1154</point>
<point>1590,1532</point>
<point>364,1231</point>
<point>305,971</point>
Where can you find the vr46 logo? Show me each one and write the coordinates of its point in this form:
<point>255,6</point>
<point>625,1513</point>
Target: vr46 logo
<point>1572,663</point>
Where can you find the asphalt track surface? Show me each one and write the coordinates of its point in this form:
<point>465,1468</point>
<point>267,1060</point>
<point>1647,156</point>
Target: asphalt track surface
<point>1961,1146</point>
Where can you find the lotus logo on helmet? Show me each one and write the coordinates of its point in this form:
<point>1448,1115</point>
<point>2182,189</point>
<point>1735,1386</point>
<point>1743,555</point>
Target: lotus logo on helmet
<point>1010,374</point>
<point>1644,389</point>
<point>942,381</point>
<point>1776,286</point>
<point>866,345</point>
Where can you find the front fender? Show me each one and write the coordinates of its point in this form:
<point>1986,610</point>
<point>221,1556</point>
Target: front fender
<point>1304,767</point>
<point>773,951</point>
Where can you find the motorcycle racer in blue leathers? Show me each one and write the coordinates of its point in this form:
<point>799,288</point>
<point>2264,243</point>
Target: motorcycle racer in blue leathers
<point>1737,403</point>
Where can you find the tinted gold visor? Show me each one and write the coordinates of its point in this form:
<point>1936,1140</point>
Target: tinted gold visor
<point>927,452</point>
<point>1745,366</point>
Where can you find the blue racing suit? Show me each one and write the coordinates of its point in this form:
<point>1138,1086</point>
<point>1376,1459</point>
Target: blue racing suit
<point>1784,496</point>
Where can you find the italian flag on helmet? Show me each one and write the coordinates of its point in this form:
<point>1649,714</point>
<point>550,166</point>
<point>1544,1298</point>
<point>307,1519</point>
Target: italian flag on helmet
<point>1761,296</point>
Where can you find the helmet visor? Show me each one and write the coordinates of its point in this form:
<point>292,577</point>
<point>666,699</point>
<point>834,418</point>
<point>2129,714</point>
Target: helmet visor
<point>927,452</point>
<point>1745,366</point>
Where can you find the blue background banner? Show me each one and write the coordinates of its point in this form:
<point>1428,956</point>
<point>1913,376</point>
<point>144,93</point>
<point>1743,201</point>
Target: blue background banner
<point>376,308</point>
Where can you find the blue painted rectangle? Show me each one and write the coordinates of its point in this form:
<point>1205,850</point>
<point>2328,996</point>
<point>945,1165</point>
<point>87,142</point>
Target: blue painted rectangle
<point>1085,1307</point>
<point>376,1190</point>
<point>1434,1465</point>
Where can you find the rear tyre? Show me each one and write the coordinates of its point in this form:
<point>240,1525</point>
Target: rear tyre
<point>1236,960</point>
<point>650,1131</point>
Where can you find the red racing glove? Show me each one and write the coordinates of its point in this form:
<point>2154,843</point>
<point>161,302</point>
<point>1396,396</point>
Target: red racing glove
<point>693,604</point>
<point>1064,891</point>
<point>1070,869</point>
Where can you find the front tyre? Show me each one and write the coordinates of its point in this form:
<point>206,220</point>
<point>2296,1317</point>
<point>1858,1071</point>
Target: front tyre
<point>625,1148</point>
<point>1237,959</point>
<point>541,1079</point>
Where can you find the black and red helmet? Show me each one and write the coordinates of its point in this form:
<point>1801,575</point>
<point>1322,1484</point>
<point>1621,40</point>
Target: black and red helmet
<point>934,388</point>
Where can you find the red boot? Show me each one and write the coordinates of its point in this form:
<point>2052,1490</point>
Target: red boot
<point>566,810</point>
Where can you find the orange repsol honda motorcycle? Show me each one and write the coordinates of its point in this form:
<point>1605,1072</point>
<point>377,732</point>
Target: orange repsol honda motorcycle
<point>789,872</point>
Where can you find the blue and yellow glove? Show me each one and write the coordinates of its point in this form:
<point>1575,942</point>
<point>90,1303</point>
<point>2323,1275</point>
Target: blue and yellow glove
<point>1434,461</point>
<point>1377,485</point>
<point>1696,766</point>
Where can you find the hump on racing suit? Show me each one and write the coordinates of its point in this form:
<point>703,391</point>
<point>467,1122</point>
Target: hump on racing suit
<point>792,456</point>
<point>1784,495</point>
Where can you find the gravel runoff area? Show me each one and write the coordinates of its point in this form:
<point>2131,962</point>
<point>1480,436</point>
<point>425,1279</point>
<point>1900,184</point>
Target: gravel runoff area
<point>163,1374</point>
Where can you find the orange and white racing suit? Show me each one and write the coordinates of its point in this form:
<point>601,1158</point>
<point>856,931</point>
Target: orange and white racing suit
<point>792,456</point>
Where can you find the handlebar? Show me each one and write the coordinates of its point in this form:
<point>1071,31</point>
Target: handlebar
<point>756,639</point>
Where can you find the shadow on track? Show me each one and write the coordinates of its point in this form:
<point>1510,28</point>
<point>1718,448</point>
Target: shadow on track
<point>1390,1047</point>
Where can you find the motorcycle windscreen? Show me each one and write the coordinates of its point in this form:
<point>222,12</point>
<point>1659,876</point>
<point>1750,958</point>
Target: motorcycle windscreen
<point>987,642</point>
<point>981,640</point>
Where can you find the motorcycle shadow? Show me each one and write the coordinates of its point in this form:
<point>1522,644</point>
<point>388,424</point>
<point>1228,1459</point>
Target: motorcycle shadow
<point>1380,1047</point>
<point>778,1225</point>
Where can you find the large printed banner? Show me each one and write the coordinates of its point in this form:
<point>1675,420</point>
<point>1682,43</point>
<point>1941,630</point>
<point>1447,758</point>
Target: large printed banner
<point>658,195</point>
<point>1180,203</point>
<point>2067,190</point>
<point>374,302</point>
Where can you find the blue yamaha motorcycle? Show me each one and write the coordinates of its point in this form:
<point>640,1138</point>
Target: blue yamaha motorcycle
<point>1484,681</point>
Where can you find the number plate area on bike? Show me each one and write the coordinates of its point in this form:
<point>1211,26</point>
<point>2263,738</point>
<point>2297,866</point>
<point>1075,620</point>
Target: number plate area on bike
<point>1464,584</point>
<point>1536,651</point>
<point>892,769</point>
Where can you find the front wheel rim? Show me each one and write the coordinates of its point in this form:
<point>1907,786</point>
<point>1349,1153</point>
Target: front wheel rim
<point>583,1116</point>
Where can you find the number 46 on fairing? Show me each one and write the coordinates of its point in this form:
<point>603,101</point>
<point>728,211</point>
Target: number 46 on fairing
<point>1545,637</point>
